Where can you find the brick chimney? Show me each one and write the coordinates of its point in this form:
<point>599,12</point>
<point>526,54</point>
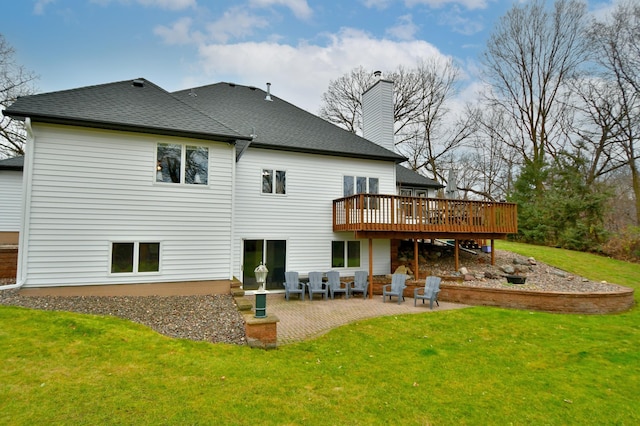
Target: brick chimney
<point>377,112</point>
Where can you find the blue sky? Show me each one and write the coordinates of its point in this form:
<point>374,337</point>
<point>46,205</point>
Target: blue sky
<point>297,45</point>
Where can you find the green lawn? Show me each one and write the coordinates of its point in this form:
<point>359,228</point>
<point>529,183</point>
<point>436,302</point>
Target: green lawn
<point>472,366</point>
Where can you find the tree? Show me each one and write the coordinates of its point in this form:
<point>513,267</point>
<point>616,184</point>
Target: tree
<point>616,44</point>
<point>15,81</point>
<point>421,96</point>
<point>529,58</point>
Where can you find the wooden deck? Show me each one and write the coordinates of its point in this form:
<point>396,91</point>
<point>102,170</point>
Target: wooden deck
<point>393,216</point>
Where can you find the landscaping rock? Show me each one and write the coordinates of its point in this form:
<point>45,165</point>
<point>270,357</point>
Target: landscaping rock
<point>508,269</point>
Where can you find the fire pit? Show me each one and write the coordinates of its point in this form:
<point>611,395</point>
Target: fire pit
<point>515,279</point>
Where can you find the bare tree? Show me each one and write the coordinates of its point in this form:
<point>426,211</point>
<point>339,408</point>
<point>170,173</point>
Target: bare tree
<point>15,81</point>
<point>487,167</point>
<point>423,130</point>
<point>529,57</point>
<point>617,50</point>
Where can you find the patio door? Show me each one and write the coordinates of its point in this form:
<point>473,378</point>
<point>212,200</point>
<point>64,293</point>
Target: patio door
<point>273,253</point>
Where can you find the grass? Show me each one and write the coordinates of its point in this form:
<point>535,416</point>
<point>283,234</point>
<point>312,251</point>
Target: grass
<point>474,366</point>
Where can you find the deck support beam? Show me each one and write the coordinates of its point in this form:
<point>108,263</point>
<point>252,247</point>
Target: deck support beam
<point>370,268</point>
<point>493,252</point>
<point>456,252</point>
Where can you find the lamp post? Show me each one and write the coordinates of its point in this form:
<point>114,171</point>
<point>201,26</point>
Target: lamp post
<point>261,295</point>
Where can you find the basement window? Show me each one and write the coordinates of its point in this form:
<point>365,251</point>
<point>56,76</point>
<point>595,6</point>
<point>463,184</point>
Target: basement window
<point>345,253</point>
<point>135,257</point>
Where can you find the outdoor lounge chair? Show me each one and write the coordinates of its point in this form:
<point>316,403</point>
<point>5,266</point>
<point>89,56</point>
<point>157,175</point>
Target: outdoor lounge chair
<point>293,285</point>
<point>396,288</point>
<point>430,291</point>
<point>316,286</point>
<point>360,284</point>
<point>335,286</point>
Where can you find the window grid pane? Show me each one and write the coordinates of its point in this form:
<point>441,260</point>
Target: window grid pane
<point>169,163</point>
<point>267,181</point>
<point>348,186</point>
<point>121,257</point>
<point>197,165</point>
<point>149,257</point>
<point>281,182</point>
<point>353,253</point>
<point>337,254</point>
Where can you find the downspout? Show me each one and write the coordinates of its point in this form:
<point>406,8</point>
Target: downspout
<point>232,228</point>
<point>233,209</point>
<point>25,208</point>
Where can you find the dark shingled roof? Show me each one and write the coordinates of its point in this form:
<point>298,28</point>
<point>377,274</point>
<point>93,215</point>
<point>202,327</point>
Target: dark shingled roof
<point>278,124</point>
<point>15,163</point>
<point>407,177</point>
<point>131,105</point>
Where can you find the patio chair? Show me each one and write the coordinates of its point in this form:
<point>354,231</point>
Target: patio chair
<point>316,286</point>
<point>396,288</point>
<point>360,284</point>
<point>429,292</point>
<point>335,286</point>
<point>293,285</point>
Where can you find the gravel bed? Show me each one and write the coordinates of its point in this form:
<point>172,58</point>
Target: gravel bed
<point>211,318</point>
<point>539,276</point>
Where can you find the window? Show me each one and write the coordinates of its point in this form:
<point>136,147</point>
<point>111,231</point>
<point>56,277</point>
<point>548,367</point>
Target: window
<point>186,164</point>
<point>363,185</point>
<point>345,253</point>
<point>274,181</point>
<point>135,257</point>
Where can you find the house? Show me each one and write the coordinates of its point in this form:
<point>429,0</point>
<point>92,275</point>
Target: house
<point>127,183</point>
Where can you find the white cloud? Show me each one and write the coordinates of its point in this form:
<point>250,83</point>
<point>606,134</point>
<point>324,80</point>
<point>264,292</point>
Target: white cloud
<point>405,29</point>
<point>178,33</point>
<point>300,8</point>
<point>469,4</point>
<point>377,4</point>
<point>162,4</point>
<point>40,5</point>
<point>460,24</point>
<point>301,73</point>
<point>235,23</point>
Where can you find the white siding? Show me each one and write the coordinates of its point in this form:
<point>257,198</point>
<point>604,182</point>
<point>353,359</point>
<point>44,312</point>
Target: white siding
<point>10,200</point>
<point>303,217</point>
<point>377,114</point>
<point>90,188</point>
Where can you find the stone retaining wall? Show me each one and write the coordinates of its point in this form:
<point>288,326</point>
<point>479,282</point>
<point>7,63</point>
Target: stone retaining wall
<point>561,302</point>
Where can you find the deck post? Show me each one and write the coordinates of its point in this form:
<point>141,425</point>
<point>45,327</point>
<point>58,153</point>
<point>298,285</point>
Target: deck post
<point>370,268</point>
<point>493,252</point>
<point>415,259</point>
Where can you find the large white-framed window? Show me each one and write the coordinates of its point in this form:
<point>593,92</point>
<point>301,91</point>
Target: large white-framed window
<point>274,181</point>
<point>182,163</point>
<point>360,185</point>
<point>345,254</point>
<point>134,257</point>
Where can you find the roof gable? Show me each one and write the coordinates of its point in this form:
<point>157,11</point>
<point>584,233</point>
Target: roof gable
<point>277,124</point>
<point>137,105</point>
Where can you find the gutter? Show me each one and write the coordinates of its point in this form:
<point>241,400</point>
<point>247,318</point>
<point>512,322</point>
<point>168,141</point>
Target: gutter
<point>26,209</point>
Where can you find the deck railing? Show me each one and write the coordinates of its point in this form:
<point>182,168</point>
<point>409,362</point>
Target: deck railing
<point>374,212</point>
